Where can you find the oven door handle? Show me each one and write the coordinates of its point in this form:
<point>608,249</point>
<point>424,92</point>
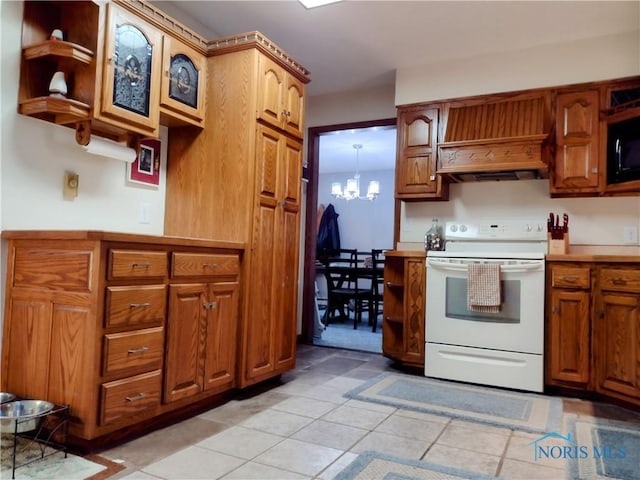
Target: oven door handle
<point>462,267</point>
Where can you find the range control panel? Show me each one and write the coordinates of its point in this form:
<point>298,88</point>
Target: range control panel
<point>515,230</point>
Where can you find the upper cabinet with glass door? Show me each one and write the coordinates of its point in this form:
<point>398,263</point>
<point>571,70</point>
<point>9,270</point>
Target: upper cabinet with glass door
<point>182,92</point>
<point>131,86</point>
<point>128,67</point>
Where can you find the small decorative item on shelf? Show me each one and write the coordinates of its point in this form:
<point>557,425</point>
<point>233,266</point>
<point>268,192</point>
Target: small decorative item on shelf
<point>58,86</point>
<point>56,35</point>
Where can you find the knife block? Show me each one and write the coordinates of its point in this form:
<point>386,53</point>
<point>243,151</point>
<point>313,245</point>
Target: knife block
<point>558,246</point>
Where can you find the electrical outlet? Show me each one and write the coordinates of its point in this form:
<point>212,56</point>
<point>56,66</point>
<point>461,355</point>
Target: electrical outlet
<point>144,213</point>
<point>70,185</point>
<point>630,235</point>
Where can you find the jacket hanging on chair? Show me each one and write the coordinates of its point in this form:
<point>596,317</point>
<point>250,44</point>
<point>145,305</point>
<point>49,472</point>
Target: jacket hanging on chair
<point>328,244</point>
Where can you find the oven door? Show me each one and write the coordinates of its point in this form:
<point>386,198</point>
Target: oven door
<point>517,327</point>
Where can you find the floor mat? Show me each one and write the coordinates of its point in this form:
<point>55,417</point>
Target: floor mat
<point>504,408</point>
<point>601,449</point>
<point>372,465</point>
<point>36,461</point>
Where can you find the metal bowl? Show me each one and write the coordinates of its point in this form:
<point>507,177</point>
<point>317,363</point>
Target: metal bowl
<point>6,397</point>
<point>24,409</point>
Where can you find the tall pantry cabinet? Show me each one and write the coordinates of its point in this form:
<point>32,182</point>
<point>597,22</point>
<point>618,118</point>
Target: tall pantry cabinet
<point>239,179</point>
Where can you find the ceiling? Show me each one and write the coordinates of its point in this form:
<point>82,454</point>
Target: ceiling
<point>358,44</point>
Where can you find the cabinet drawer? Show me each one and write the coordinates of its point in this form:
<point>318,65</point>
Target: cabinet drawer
<point>53,268</point>
<point>570,277</point>
<point>126,398</point>
<point>204,264</point>
<point>620,280</point>
<point>131,306</point>
<point>141,349</point>
<point>137,264</point>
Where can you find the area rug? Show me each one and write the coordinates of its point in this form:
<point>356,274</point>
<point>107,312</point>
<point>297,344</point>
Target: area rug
<point>604,449</point>
<point>505,408</point>
<point>54,465</point>
<point>372,465</point>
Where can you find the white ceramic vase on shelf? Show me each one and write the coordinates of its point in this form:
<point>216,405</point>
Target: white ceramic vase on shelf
<point>58,86</point>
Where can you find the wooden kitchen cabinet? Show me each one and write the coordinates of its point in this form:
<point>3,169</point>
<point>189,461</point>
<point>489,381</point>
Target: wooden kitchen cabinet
<point>416,161</point>
<point>569,326</point>
<point>593,328</point>
<point>183,84</point>
<point>270,334</point>
<point>403,325</point>
<point>202,326</point>
<point>617,332</point>
<point>86,319</point>
<point>112,56</point>
<point>576,168</point>
<point>131,87</point>
<point>245,171</point>
<point>280,98</point>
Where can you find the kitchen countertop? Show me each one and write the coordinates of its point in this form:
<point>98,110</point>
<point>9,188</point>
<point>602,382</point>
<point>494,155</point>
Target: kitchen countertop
<point>599,253</point>
<point>116,237</point>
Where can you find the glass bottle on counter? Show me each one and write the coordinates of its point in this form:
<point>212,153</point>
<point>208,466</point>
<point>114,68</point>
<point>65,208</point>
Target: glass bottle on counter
<point>433,238</point>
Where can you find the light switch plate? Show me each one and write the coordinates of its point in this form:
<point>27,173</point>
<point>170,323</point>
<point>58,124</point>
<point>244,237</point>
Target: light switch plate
<point>70,185</point>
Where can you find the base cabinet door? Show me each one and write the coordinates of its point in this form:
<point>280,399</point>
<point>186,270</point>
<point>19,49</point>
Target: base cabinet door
<point>403,326</point>
<point>201,331</point>
<point>618,337</point>
<point>569,335</point>
<point>185,324</point>
<point>221,334</point>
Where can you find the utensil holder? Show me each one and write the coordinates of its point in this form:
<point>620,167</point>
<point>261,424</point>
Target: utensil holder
<point>558,246</point>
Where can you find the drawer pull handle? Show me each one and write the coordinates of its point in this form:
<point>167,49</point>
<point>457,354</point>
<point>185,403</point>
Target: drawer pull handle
<point>619,281</point>
<point>570,279</point>
<point>141,265</point>
<point>210,305</point>
<point>135,398</point>
<point>137,350</point>
<point>210,265</point>
<point>139,305</point>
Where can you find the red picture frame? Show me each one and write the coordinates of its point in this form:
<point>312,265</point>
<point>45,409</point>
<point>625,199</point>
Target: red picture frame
<point>145,169</point>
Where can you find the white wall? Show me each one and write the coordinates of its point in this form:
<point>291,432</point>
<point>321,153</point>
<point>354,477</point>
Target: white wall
<point>593,59</point>
<point>592,221</point>
<point>350,107</point>
<point>363,224</point>
<point>35,155</point>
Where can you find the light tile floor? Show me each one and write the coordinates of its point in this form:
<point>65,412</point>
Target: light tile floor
<point>303,428</point>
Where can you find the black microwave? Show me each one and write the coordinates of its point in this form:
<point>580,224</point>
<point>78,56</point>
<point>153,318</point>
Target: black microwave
<point>623,151</point>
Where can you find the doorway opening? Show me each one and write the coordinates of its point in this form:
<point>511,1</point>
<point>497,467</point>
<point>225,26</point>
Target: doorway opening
<point>364,224</point>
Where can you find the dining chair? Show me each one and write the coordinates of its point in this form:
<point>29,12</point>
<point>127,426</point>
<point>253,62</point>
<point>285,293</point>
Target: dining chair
<point>376,288</point>
<point>344,288</point>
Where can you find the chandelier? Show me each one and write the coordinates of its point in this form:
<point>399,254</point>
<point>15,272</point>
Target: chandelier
<point>352,188</point>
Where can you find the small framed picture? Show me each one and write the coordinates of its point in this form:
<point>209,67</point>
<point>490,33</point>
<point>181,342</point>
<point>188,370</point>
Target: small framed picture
<point>145,169</point>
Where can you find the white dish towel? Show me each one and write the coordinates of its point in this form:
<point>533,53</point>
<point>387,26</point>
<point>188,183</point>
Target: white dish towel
<point>483,287</point>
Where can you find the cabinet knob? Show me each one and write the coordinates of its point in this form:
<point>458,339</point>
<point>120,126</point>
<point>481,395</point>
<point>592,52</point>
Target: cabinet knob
<point>555,309</point>
<point>210,305</point>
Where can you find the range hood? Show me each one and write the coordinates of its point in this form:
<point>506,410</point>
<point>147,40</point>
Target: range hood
<point>505,140</point>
